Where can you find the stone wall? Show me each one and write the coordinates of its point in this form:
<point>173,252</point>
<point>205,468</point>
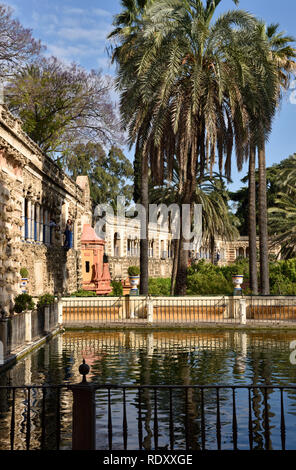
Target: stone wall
<point>157,267</point>
<point>34,192</point>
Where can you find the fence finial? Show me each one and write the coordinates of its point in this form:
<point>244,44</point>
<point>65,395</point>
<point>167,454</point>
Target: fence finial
<point>84,370</point>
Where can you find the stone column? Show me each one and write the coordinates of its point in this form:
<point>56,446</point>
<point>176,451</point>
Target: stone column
<point>84,417</point>
<point>29,209</point>
<point>3,340</point>
<point>60,311</point>
<point>243,311</point>
<point>28,326</point>
<point>32,221</point>
<point>41,224</point>
<point>149,310</point>
<point>46,226</point>
<point>24,218</point>
<point>46,319</point>
<point>38,221</point>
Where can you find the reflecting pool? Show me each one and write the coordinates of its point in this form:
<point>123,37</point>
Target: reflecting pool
<point>205,357</point>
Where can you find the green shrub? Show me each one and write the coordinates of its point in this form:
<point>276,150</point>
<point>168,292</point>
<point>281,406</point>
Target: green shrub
<point>23,302</point>
<point>133,271</point>
<point>24,273</point>
<point>208,284</point>
<point>44,300</point>
<point>159,286</point>
<point>117,289</point>
<point>84,293</point>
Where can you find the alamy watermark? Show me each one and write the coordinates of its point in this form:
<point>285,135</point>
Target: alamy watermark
<point>179,220</point>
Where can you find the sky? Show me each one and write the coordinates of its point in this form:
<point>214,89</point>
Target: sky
<point>75,30</point>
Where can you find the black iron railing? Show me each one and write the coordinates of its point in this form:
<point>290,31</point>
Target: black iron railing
<point>148,417</point>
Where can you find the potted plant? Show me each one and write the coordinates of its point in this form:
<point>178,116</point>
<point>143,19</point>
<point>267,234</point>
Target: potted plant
<point>24,275</point>
<point>23,302</point>
<point>134,276</point>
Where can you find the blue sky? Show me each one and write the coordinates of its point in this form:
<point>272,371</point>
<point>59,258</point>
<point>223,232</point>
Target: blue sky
<point>76,30</point>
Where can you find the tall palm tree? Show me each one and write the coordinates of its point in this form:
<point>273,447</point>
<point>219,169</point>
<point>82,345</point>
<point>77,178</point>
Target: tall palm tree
<point>282,222</point>
<point>282,56</point>
<point>217,221</point>
<point>282,216</point>
<point>194,78</point>
<point>127,25</point>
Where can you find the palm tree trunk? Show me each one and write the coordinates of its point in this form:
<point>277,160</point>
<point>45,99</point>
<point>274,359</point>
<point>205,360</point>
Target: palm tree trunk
<point>176,245</point>
<point>263,233</point>
<point>212,249</point>
<point>144,259</point>
<point>181,281</point>
<point>252,224</point>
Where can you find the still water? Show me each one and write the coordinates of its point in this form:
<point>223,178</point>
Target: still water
<point>154,358</point>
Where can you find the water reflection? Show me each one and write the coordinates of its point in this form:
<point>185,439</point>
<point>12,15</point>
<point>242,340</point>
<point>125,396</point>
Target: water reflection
<point>158,357</point>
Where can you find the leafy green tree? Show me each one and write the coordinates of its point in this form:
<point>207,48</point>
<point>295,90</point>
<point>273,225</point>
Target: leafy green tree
<point>109,173</point>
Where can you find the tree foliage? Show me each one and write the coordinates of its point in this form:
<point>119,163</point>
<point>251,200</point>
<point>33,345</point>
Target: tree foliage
<point>109,173</point>
<point>17,46</point>
<point>60,104</point>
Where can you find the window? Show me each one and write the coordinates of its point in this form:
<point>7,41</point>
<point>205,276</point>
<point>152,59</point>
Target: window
<point>87,267</point>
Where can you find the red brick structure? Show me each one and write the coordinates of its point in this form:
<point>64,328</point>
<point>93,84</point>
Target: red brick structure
<point>95,272</point>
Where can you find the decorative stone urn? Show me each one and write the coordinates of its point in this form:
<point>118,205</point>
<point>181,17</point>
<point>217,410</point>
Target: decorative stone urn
<point>237,280</point>
<point>134,281</point>
<point>23,285</point>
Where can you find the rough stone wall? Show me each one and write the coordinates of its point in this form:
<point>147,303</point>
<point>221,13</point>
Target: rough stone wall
<point>27,174</point>
<point>10,227</point>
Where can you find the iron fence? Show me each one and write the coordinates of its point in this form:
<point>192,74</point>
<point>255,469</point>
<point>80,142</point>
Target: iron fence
<point>150,417</point>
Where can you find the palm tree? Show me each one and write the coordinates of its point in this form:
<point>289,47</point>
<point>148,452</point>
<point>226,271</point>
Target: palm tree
<point>282,219</point>
<point>210,193</point>
<point>127,26</point>
<point>282,222</point>
<point>282,55</point>
<point>192,75</point>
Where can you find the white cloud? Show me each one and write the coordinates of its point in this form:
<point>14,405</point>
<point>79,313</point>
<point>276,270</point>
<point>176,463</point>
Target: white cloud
<point>74,11</point>
<point>100,12</point>
<point>86,34</point>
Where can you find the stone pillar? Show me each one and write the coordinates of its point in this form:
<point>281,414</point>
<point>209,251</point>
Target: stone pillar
<point>84,417</point>
<point>243,311</point>
<point>46,234</point>
<point>28,326</point>
<point>149,310</point>
<point>32,221</point>
<point>46,319</point>
<point>29,211</point>
<point>38,221</point>
<point>41,225</point>
<point>3,340</point>
<point>60,312</point>
<point>23,218</point>
<point>131,308</point>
